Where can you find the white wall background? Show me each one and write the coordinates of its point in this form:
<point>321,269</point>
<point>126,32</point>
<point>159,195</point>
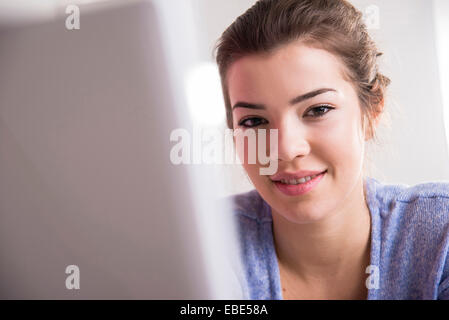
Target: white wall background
<point>441,12</point>
<point>413,147</point>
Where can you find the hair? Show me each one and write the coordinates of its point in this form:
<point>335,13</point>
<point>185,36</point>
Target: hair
<point>332,25</point>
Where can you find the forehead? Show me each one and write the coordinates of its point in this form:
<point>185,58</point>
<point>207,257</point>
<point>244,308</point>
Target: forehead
<point>290,70</point>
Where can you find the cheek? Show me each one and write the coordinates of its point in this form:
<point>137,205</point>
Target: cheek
<point>343,142</point>
<point>248,152</point>
<point>242,151</point>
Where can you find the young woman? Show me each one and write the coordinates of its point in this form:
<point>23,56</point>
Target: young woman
<point>319,228</point>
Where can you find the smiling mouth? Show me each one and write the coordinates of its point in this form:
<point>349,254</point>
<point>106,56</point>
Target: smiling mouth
<point>299,187</point>
<point>298,181</point>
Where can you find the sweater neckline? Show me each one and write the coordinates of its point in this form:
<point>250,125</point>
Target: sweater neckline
<point>370,185</point>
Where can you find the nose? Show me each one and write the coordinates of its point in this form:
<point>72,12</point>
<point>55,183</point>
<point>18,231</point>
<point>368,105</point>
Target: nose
<point>292,140</point>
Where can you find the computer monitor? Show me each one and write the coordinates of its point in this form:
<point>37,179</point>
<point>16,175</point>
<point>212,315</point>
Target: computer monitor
<point>90,205</point>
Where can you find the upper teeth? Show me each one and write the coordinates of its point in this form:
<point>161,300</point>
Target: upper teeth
<point>298,181</point>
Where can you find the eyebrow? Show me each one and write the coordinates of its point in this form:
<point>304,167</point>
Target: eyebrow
<point>294,101</point>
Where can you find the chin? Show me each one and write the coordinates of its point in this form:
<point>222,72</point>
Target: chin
<point>293,209</point>
<point>300,216</point>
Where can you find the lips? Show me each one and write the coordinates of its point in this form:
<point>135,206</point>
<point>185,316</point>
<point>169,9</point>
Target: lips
<point>295,175</point>
<point>301,188</point>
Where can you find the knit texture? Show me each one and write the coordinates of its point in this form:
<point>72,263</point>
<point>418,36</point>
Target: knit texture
<point>409,241</point>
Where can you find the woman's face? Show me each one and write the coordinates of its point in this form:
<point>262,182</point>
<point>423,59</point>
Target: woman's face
<point>321,131</point>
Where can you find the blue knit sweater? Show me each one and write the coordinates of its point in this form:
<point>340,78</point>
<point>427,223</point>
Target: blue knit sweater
<point>409,242</point>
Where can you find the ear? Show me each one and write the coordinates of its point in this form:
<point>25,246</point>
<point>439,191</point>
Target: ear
<point>370,128</point>
<point>380,109</point>
<point>367,128</point>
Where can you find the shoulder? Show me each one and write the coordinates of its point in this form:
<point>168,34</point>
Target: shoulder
<point>428,190</point>
<point>249,206</point>
<point>252,217</point>
<point>431,197</point>
<point>411,236</point>
<point>420,206</point>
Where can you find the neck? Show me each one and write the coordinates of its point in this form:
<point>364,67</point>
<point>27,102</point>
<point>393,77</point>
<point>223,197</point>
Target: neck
<point>330,248</point>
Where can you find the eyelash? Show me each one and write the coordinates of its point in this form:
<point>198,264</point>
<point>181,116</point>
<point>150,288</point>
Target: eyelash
<point>242,122</point>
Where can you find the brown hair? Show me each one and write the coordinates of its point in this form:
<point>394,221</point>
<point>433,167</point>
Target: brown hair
<point>333,25</point>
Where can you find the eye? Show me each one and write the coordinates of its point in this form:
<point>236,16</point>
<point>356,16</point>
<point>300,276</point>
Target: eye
<point>252,122</point>
<point>319,110</point>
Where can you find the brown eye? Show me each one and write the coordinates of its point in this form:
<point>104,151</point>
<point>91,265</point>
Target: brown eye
<point>319,111</point>
<point>252,122</point>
